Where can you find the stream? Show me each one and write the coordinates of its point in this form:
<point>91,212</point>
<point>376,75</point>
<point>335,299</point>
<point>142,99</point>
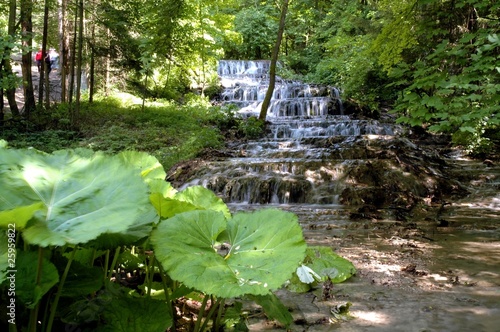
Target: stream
<point>418,219</point>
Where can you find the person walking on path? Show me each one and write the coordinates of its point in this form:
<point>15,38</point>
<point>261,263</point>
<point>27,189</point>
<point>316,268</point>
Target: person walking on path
<point>38,59</point>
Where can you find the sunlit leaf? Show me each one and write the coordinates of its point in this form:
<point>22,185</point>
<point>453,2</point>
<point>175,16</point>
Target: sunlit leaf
<point>81,198</point>
<point>19,215</point>
<point>329,265</point>
<point>264,249</point>
<point>307,275</point>
<point>203,198</point>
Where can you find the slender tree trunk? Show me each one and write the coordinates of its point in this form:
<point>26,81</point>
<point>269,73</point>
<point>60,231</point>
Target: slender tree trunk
<point>108,69</point>
<point>2,114</point>
<point>7,67</point>
<point>203,78</point>
<point>274,60</point>
<point>92,75</point>
<point>26,32</point>
<point>72,66</point>
<point>44,73</point>
<point>63,46</point>
<point>79,63</point>
<point>92,62</point>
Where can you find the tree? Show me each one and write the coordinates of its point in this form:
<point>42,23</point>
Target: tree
<point>274,60</point>
<point>26,34</point>
<point>5,65</point>
<point>79,63</point>
<point>44,73</point>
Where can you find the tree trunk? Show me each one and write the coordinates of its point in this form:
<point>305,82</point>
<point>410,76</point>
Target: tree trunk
<point>7,67</point>
<point>2,114</point>
<point>274,60</point>
<point>63,46</point>
<point>45,67</point>
<point>71,68</point>
<point>27,39</point>
<point>79,63</point>
<point>108,70</point>
<point>92,65</point>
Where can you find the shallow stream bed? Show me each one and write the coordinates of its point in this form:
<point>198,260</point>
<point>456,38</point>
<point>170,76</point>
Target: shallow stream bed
<point>414,277</point>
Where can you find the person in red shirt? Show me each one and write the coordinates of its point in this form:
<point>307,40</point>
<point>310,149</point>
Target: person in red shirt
<point>38,59</point>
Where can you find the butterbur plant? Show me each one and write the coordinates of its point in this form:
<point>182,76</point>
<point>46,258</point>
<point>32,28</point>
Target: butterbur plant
<point>103,243</point>
<point>248,254</point>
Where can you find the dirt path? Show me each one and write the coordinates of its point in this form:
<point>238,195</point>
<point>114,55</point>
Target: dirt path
<point>54,83</point>
<point>411,278</point>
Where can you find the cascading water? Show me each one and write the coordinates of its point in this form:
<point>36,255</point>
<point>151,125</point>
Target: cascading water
<point>293,163</point>
<point>245,84</point>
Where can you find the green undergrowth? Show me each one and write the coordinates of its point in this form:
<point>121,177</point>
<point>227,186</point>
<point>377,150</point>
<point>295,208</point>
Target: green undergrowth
<point>167,130</point>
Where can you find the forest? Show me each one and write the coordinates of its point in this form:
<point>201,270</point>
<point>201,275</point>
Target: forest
<point>433,63</point>
<point>97,240</point>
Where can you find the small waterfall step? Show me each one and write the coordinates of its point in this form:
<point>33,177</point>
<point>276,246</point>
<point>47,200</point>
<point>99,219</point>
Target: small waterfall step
<point>301,160</point>
<point>245,84</point>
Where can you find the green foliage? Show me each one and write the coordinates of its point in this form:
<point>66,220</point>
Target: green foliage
<point>68,205</point>
<point>8,44</point>
<point>169,131</point>
<point>46,140</point>
<point>258,30</point>
<point>224,117</point>
<point>252,128</point>
<point>65,209</point>
<point>264,249</point>
<point>397,35</point>
<point>26,273</point>
<point>336,49</point>
<point>454,89</point>
<point>320,264</point>
<point>124,313</point>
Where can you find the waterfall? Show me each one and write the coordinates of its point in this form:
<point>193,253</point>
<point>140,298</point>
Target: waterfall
<point>245,84</point>
<point>297,162</point>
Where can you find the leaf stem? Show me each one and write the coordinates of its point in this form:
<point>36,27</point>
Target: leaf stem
<point>219,315</point>
<point>168,298</point>
<point>211,312</point>
<point>53,308</point>
<point>113,263</point>
<point>106,262</point>
<point>200,314</point>
<point>34,312</point>
<point>150,273</point>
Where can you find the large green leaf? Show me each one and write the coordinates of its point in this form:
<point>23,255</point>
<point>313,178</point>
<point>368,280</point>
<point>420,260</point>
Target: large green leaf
<point>193,198</point>
<point>128,314</point>
<point>203,198</point>
<point>168,207</point>
<point>81,197</point>
<point>325,262</point>
<point>264,249</point>
<point>149,167</point>
<point>82,280</point>
<point>274,308</point>
<point>26,287</point>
